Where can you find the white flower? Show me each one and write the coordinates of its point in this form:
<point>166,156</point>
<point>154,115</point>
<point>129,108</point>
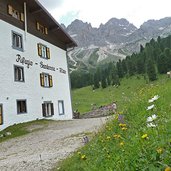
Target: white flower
<point>150,107</point>
<point>151,118</point>
<point>151,125</point>
<point>154,116</point>
<point>150,100</point>
<point>153,99</point>
<point>156,97</point>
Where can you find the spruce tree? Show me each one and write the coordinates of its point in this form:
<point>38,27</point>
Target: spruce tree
<point>151,71</point>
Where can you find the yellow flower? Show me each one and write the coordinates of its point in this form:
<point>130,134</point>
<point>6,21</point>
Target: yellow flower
<point>83,157</point>
<point>121,143</point>
<point>159,150</point>
<point>122,125</point>
<point>115,117</point>
<point>167,168</point>
<point>78,152</point>
<point>145,136</point>
<point>116,136</point>
<point>108,137</point>
<point>124,128</point>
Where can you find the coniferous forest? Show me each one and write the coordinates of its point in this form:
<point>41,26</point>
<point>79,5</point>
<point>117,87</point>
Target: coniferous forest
<point>153,59</point>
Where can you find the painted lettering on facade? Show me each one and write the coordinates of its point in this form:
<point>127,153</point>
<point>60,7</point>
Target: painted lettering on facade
<point>24,61</point>
<point>62,71</point>
<point>46,66</point>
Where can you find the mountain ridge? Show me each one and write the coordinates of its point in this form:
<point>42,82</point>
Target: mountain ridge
<point>111,41</point>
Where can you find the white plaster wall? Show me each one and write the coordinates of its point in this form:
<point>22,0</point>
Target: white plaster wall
<point>30,90</point>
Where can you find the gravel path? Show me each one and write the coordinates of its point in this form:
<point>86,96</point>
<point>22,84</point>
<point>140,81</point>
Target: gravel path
<point>41,150</point>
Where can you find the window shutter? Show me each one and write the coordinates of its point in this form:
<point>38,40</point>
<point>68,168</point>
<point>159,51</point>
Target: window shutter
<point>10,10</point>
<point>50,81</point>
<point>39,47</point>
<point>22,17</point>
<point>48,52</point>
<point>43,110</point>
<point>42,80</point>
<point>52,109</point>
<point>38,26</point>
<point>46,30</point>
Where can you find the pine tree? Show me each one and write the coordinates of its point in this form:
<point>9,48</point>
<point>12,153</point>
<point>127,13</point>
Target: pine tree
<point>96,81</point>
<point>151,71</point>
<point>103,82</point>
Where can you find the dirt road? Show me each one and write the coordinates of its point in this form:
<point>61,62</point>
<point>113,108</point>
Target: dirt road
<point>41,150</point>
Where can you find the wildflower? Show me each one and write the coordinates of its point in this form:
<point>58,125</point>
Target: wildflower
<point>151,118</point>
<point>121,143</point>
<point>151,125</point>
<point>159,150</point>
<point>116,136</point>
<point>78,152</point>
<point>122,125</point>
<point>150,107</point>
<point>108,137</point>
<point>145,136</point>
<point>83,157</point>
<point>124,128</point>
<point>167,168</point>
<point>153,99</point>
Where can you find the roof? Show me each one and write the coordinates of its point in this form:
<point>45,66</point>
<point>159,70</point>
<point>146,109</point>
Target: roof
<point>36,8</point>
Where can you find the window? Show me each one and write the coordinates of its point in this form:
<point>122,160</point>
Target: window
<point>1,115</point>
<point>46,80</point>
<point>17,41</point>
<point>43,51</point>
<point>21,106</point>
<point>61,107</point>
<point>15,13</point>
<point>18,73</point>
<point>47,109</point>
<point>41,28</point>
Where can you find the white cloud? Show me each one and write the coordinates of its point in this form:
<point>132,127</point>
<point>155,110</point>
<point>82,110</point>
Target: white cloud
<point>100,11</point>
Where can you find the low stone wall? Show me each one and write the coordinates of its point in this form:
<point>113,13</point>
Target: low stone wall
<point>101,111</point>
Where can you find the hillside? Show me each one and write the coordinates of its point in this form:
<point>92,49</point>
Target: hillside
<point>138,136</point>
<point>112,41</point>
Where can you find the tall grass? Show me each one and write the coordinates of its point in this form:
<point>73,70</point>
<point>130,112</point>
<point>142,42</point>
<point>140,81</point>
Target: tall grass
<point>131,145</point>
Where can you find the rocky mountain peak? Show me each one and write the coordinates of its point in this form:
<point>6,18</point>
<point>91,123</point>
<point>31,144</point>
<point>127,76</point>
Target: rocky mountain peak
<point>113,40</point>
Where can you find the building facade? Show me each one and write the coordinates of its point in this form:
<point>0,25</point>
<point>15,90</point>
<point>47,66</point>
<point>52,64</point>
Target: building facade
<point>33,64</point>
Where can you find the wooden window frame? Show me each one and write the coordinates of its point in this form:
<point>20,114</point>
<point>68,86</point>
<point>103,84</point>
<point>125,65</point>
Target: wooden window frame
<point>41,28</point>
<point>44,109</point>
<point>15,13</point>
<point>42,80</point>
<point>46,54</point>
<point>21,100</point>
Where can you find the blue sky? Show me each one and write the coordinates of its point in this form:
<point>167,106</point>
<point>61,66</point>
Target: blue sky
<point>100,11</point>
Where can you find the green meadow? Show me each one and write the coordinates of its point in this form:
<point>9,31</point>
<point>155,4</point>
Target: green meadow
<point>134,139</point>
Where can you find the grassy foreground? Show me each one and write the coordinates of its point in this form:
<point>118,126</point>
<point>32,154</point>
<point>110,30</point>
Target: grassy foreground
<point>135,144</point>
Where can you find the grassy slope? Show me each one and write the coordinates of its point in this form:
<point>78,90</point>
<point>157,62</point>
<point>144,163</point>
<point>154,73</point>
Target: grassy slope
<point>129,151</point>
<point>84,98</point>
